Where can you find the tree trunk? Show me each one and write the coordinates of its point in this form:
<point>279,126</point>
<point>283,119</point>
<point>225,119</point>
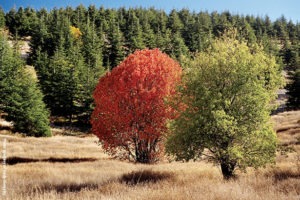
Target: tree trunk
<point>142,153</point>
<point>227,168</point>
<point>143,157</point>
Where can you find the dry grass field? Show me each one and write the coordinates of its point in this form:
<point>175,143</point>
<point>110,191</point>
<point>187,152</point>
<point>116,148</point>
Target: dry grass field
<point>75,167</point>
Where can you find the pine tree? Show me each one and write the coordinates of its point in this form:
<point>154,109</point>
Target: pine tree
<point>20,96</point>
<point>11,21</point>
<point>202,32</point>
<point>188,28</point>
<point>58,85</point>
<point>147,33</point>
<point>92,48</point>
<point>27,109</point>
<point>174,22</point>
<point>115,45</point>
<point>294,91</point>
<point>2,18</point>
<point>134,33</point>
<point>178,46</point>
<point>293,58</point>
<point>80,16</point>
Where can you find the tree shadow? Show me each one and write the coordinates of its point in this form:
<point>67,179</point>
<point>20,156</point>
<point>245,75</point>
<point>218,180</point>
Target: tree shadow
<point>144,176</point>
<point>283,175</point>
<point>280,175</point>
<point>64,187</point>
<point>18,160</point>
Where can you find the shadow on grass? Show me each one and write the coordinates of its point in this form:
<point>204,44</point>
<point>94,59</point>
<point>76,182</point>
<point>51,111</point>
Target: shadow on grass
<point>283,175</point>
<point>144,176</point>
<point>63,188</point>
<point>18,160</point>
<point>280,175</point>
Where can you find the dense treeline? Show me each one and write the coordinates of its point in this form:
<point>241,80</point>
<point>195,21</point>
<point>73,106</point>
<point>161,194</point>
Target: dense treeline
<point>72,47</point>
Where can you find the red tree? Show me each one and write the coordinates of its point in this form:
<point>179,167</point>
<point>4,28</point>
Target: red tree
<point>130,115</point>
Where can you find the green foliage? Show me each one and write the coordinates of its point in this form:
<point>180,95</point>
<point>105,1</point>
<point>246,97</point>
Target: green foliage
<point>21,22</point>
<point>26,108</point>
<point>294,90</point>
<point>227,90</point>
<point>20,96</point>
<point>124,30</point>
<point>58,84</point>
<point>2,18</point>
<point>134,33</point>
<point>115,46</point>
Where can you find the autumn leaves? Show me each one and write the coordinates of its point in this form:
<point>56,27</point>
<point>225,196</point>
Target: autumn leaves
<point>131,114</point>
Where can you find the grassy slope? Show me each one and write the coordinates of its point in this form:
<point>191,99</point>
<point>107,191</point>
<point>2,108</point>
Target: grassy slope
<point>90,174</point>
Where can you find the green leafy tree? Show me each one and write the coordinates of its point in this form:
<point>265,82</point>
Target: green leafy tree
<point>227,92</point>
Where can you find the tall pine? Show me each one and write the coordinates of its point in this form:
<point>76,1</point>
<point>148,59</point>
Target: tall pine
<point>20,96</point>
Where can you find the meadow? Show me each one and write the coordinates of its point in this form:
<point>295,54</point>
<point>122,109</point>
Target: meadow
<point>71,165</point>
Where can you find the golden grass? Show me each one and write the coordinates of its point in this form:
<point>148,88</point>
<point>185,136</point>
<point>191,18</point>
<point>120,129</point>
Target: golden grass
<point>70,167</point>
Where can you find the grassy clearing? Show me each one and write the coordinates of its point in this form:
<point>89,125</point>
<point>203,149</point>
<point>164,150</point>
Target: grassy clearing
<point>73,167</point>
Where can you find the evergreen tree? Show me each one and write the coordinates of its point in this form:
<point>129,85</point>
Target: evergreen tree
<point>246,32</point>
<point>178,46</point>
<point>188,28</point>
<point>40,41</point>
<point>114,46</point>
<point>27,109</point>
<point>294,86</point>
<point>2,18</point>
<point>80,17</point>
<point>147,33</point>
<point>202,32</point>
<point>294,91</point>
<point>280,29</point>
<point>134,33</point>
<point>92,47</point>
<point>20,96</point>
<point>28,20</point>
<point>11,21</point>
<point>58,85</point>
<point>174,22</point>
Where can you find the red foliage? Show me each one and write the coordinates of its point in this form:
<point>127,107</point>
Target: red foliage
<point>131,113</point>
